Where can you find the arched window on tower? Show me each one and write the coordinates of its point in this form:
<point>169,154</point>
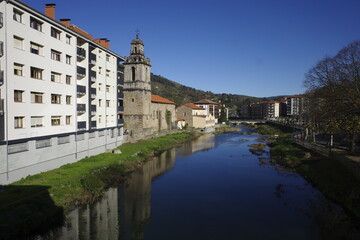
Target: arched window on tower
<point>133,73</point>
<point>135,49</point>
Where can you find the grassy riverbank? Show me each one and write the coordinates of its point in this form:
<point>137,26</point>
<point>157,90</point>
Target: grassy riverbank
<point>328,175</point>
<point>37,201</point>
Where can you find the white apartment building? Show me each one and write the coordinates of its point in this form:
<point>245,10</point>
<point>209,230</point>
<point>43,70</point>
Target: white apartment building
<point>60,92</point>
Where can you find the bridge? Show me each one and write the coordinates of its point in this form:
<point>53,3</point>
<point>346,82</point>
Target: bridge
<point>246,121</point>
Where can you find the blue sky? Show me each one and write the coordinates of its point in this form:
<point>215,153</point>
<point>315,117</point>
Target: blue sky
<point>250,47</point>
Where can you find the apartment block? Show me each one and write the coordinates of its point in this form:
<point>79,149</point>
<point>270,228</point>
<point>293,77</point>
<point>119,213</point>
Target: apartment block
<point>61,92</point>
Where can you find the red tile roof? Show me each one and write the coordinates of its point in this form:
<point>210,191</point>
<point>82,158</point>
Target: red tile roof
<point>193,106</point>
<point>158,99</point>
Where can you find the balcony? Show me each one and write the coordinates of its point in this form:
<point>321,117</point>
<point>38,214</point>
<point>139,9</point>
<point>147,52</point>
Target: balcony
<point>81,72</point>
<point>81,125</point>
<point>1,106</point>
<point>81,108</point>
<point>92,76</point>
<point>81,90</point>
<point>120,121</point>
<point>93,110</point>
<point>81,53</point>
<point>92,59</point>
<point>93,124</point>
<point>93,93</point>
<point>1,77</point>
<point>120,95</point>
<point>120,79</point>
<point>120,108</point>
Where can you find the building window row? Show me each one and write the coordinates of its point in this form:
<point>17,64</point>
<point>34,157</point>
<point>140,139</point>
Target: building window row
<point>38,49</point>
<point>37,97</point>
<point>38,121</point>
<point>37,73</point>
<point>38,25</point>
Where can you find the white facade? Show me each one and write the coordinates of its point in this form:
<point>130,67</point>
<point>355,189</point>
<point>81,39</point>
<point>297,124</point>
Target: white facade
<point>61,94</point>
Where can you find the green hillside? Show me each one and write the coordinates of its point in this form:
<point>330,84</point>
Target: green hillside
<point>181,94</point>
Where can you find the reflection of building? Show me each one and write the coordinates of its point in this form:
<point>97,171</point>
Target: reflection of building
<point>204,142</point>
<point>60,92</point>
<point>122,212</point>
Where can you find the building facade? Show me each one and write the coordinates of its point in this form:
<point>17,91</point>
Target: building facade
<point>60,90</point>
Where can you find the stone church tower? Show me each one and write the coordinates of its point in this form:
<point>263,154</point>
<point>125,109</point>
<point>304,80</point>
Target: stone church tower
<point>137,92</point>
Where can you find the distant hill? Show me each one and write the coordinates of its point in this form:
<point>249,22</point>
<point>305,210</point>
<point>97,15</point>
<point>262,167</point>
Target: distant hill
<point>181,94</point>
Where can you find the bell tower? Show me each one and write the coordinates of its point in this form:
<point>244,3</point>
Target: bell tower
<point>137,91</point>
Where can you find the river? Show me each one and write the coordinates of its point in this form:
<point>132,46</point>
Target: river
<point>210,188</point>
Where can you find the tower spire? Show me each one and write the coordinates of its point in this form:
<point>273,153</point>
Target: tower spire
<point>137,33</point>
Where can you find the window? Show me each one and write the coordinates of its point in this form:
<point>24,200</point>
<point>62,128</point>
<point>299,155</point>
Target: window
<point>68,79</point>
<point>36,48</point>
<point>18,147</point>
<point>55,55</point>
<point>55,98</point>
<point>68,99</point>
<point>100,118</point>
<point>55,120</point>
<point>18,69</point>
<point>107,58</point>
<point>43,143</point>
<point>18,42</point>
<point>35,24</point>
<point>63,140</point>
<point>17,15</point>
<point>36,97</point>
<point>36,73</point>
<point>68,59</point>
<point>68,120</point>
<point>68,39</point>
<point>19,122</point>
<point>100,70</point>
<point>55,77</point>
<point>18,95</point>
<point>100,84</point>
<point>108,73</point>
<point>107,103</point>
<point>100,102</point>
<point>55,33</point>
<point>133,73</point>
<point>107,88</point>
<point>36,121</point>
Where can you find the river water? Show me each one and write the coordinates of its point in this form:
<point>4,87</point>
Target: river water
<point>210,188</point>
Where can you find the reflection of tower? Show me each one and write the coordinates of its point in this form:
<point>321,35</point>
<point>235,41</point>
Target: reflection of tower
<point>135,198</point>
<point>137,91</point>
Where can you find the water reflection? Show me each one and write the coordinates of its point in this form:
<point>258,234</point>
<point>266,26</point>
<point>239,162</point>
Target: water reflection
<point>122,212</point>
<point>203,143</point>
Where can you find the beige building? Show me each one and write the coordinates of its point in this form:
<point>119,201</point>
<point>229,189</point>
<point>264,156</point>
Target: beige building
<point>163,114</point>
<point>194,116</point>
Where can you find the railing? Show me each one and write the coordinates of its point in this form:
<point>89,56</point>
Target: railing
<point>93,76</point>
<point>1,77</point>
<point>1,106</point>
<point>81,125</point>
<point>81,72</point>
<point>93,110</point>
<point>92,59</point>
<point>93,92</point>
<point>81,90</point>
<point>81,53</point>
<point>120,121</point>
<point>120,80</point>
<point>120,108</point>
<point>81,108</point>
<point>120,95</point>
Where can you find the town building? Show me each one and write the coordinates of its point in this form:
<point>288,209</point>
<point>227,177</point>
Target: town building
<point>271,109</point>
<point>146,114</point>
<point>195,116</point>
<point>60,90</point>
<point>210,107</point>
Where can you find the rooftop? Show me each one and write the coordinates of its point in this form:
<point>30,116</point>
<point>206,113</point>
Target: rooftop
<point>158,99</point>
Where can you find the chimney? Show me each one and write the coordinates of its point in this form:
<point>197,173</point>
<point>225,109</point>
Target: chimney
<point>103,42</point>
<point>50,10</point>
<point>66,22</point>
